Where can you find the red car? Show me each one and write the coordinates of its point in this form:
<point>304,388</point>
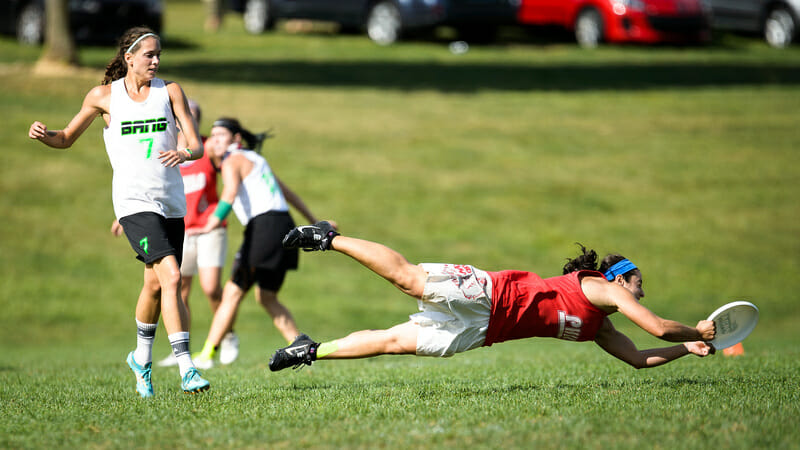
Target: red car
<point>642,21</point>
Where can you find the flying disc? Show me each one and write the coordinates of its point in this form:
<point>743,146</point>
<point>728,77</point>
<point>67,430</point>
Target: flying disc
<point>733,322</point>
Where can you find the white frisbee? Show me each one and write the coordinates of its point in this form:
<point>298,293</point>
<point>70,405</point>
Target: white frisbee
<point>733,322</point>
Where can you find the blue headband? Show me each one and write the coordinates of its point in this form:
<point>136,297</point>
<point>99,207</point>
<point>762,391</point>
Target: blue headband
<point>620,268</point>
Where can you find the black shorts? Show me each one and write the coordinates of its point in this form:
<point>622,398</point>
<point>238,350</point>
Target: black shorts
<point>153,236</point>
<point>262,258</point>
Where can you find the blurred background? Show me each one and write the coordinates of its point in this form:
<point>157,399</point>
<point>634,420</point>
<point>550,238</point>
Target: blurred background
<point>588,22</point>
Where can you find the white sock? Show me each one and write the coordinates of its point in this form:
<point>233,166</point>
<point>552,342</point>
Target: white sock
<point>180,348</point>
<point>145,335</point>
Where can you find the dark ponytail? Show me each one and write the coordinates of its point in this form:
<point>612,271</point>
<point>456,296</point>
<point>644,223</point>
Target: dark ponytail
<point>117,68</point>
<point>253,141</point>
<point>587,260</point>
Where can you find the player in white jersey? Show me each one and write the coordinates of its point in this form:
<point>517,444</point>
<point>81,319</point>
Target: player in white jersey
<point>261,202</point>
<point>142,113</point>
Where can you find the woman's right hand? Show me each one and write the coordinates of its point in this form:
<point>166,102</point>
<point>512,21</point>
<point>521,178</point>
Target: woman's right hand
<point>37,130</point>
<point>707,329</point>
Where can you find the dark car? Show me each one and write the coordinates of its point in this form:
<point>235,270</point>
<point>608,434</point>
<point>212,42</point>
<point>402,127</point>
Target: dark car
<point>91,21</point>
<point>386,21</point>
<point>776,20</point>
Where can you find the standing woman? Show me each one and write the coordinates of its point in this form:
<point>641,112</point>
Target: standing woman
<point>140,113</point>
<point>261,202</point>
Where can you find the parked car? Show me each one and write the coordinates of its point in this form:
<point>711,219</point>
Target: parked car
<point>91,21</point>
<point>385,21</point>
<point>641,21</point>
<point>776,20</point>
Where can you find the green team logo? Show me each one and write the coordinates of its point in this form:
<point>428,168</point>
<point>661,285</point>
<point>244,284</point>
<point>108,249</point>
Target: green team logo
<point>145,245</point>
<point>271,183</point>
<point>144,126</point>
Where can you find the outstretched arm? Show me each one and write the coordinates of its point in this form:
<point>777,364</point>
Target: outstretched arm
<point>613,297</point>
<point>621,347</point>
<point>94,104</point>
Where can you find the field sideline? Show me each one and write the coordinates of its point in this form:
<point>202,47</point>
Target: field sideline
<point>683,159</point>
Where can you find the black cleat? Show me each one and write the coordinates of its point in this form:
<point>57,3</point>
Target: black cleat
<point>311,237</point>
<point>302,351</point>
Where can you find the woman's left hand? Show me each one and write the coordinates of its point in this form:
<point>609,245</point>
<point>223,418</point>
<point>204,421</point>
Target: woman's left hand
<point>700,348</point>
<point>172,158</point>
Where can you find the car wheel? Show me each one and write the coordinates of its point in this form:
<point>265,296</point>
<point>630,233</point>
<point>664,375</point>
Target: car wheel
<point>257,16</point>
<point>779,28</point>
<point>384,24</point>
<point>589,28</point>
<point>30,24</point>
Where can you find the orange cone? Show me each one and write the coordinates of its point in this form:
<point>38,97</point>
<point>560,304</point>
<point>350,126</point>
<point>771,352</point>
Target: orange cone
<point>735,350</point>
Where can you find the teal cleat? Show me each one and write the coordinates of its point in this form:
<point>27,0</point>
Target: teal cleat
<point>193,383</point>
<point>143,384</point>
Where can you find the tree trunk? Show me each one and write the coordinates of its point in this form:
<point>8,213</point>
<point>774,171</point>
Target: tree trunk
<point>60,52</point>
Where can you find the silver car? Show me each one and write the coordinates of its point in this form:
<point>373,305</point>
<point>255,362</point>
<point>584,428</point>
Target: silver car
<point>386,21</point>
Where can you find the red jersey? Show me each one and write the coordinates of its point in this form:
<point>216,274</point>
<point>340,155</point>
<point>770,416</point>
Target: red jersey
<point>525,305</point>
<point>200,187</point>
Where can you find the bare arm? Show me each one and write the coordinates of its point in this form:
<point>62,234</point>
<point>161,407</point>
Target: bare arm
<point>668,330</point>
<point>231,179</point>
<point>611,296</point>
<point>94,104</point>
<point>187,126</point>
<point>622,348</point>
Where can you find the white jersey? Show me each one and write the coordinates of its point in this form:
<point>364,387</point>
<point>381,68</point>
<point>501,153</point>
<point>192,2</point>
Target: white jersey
<point>259,191</point>
<point>137,132</point>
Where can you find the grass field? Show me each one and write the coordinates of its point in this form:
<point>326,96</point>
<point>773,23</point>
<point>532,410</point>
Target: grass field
<point>683,159</point>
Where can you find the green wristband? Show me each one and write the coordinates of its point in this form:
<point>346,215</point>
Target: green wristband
<point>222,211</point>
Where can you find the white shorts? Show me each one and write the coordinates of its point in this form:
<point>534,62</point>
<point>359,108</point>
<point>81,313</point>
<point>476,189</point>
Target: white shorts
<point>204,250</point>
<point>455,305</point>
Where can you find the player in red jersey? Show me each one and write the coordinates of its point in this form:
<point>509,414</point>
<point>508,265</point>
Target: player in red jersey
<point>463,307</point>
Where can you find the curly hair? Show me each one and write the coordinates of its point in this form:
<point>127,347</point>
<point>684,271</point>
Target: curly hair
<point>587,260</point>
<point>117,68</point>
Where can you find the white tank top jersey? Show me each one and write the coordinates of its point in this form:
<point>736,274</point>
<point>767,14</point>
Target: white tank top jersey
<point>135,135</point>
<point>259,191</point>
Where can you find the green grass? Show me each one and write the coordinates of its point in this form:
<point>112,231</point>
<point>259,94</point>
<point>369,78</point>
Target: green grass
<point>683,159</point>
<point>583,400</point>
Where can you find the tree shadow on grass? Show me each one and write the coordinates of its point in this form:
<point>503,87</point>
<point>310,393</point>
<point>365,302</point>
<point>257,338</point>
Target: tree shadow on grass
<point>467,78</point>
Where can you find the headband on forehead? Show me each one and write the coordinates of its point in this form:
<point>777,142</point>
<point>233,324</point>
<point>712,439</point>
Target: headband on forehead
<point>139,40</point>
<point>620,268</point>
<point>229,124</point>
